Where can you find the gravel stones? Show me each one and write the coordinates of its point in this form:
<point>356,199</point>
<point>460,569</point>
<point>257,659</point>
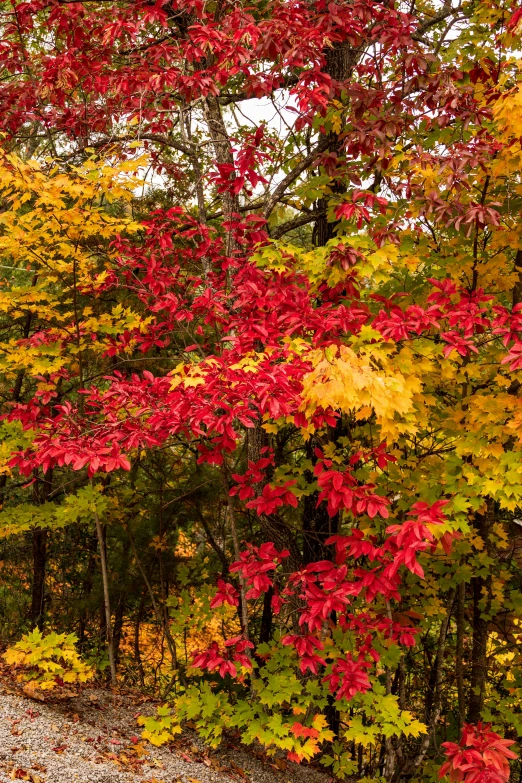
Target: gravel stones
<point>94,738</point>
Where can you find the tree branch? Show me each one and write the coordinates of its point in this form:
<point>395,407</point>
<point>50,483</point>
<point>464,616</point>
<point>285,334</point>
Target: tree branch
<point>302,220</point>
<point>293,175</point>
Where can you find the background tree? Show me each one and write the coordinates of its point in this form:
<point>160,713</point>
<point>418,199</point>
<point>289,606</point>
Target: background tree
<point>301,328</point>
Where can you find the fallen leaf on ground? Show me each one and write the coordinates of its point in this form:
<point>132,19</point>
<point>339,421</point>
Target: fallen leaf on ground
<point>22,774</point>
<point>34,693</point>
<point>138,750</point>
<point>19,774</point>
<point>240,772</point>
<point>215,764</point>
<point>63,694</point>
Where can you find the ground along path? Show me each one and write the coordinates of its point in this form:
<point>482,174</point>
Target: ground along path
<point>94,738</point>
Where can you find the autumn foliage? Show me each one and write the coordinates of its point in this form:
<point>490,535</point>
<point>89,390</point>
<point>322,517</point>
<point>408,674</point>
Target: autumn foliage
<point>261,371</point>
<point>480,755</point>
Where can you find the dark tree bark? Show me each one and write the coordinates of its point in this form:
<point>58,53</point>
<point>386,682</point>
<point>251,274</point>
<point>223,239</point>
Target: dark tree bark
<point>459,652</point>
<point>317,524</point>
<point>101,536</point>
<point>42,490</point>
<point>37,611</point>
<point>481,590</point>
<point>517,288</point>
<point>265,632</point>
<point>273,526</point>
<point>340,61</point>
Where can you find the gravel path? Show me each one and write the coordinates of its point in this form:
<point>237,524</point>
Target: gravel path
<point>94,738</point>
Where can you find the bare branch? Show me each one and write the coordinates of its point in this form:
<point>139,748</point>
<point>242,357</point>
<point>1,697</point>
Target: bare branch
<point>176,145</point>
<point>293,175</point>
<point>302,220</point>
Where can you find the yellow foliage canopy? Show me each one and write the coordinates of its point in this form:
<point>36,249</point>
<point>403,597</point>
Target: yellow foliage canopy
<point>360,383</point>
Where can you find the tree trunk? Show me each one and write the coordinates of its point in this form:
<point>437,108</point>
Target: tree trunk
<point>478,652</point>
<point>37,611</point>
<point>481,590</point>
<point>340,61</point>
<point>42,490</point>
<point>223,152</point>
<point>265,632</point>
<point>517,288</point>
<point>317,527</point>
<point>273,527</point>
<point>106,597</point>
<point>317,524</point>
<point>459,652</point>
